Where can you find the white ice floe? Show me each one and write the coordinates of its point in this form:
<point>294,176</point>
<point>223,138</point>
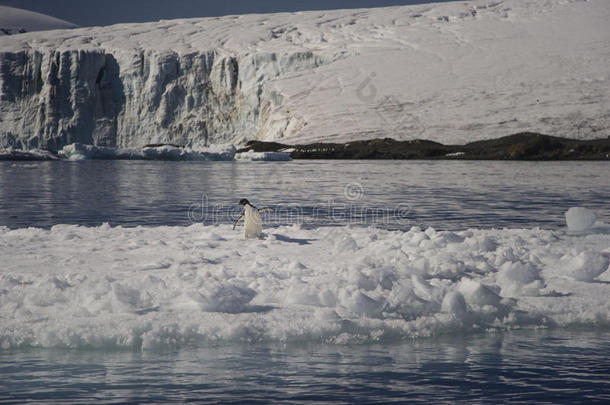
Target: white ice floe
<point>78,151</point>
<point>580,219</point>
<point>263,156</point>
<point>149,287</point>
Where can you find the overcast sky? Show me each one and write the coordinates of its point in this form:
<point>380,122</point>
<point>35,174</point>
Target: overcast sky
<point>105,12</point>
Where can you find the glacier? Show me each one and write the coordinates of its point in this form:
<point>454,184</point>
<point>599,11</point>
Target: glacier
<point>448,72</point>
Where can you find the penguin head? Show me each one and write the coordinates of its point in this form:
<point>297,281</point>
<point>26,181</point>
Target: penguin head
<point>243,201</point>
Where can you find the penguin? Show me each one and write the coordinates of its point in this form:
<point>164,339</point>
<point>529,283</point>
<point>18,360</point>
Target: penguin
<point>253,224</point>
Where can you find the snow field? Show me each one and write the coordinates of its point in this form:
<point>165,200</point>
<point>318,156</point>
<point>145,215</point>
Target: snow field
<point>159,287</point>
<point>16,21</point>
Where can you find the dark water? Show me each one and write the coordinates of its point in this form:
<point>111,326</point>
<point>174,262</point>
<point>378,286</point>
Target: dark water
<point>517,367</point>
<point>389,194</point>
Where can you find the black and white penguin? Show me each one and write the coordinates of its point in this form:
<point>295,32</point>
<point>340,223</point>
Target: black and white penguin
<point>253,224</point>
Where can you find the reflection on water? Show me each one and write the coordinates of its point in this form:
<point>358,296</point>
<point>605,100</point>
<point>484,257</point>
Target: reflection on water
<point>389,194</point>
<point>525,366</point>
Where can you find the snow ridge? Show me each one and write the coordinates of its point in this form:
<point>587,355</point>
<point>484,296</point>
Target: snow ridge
<point>17,21</point>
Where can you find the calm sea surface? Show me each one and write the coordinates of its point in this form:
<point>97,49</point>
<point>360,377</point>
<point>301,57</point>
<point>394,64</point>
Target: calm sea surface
<point>389,194</point>
<point>555,366</point>
<point>517,367</point>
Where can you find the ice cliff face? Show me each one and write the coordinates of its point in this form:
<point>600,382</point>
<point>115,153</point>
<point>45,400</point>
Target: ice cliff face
<point>128,99</point>
<point>450,72</point>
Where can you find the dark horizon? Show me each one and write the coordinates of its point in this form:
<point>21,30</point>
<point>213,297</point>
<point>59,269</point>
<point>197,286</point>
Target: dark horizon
<point>86,13</point>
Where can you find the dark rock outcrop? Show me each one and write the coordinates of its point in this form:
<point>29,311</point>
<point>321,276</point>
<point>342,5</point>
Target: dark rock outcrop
<point>522,146</point>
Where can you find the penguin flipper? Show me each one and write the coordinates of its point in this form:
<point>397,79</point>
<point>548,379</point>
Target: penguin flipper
<point>238,219</point>
<point>265,209</point>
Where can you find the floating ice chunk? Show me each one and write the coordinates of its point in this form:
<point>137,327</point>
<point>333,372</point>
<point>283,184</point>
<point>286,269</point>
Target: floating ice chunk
<point>304,294</point>
<point>580,219</point>
<point>78,151</point>
<point>344,243</point>
<point>222,297</point>
<point>481,243</point>
<point>518,279</point>
<point>128,299</point>
<point>361,303</point>
<point>585,266</point>
<point>479,295</point>
<point>225,150</point>
<point>454,303</point>
<point>410,299</point>
<point>263,156</point>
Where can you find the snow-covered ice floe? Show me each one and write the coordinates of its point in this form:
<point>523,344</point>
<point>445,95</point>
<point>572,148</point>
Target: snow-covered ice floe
<point>33,154</point>
<point>78,151</point>
<point>154,287</point>
<point>263,156</point>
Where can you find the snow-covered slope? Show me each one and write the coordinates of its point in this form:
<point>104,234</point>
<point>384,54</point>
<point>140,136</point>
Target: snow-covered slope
<point>450,72</point>
<point>17,21</point>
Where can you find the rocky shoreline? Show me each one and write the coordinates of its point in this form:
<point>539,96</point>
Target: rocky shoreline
<point>521,146</point>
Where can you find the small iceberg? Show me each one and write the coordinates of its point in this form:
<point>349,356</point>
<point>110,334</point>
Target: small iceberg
<point>77,151</point>
<point>580,219</point>
<point>263,156</point>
